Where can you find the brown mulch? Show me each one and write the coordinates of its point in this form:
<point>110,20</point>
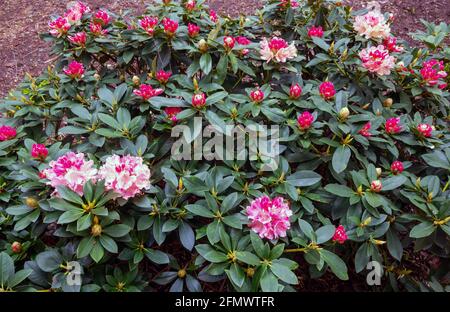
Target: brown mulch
<point>21,21</point>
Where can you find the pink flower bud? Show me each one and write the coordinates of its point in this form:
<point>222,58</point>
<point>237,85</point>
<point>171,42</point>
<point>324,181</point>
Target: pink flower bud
<point>295,91</point>
<point>78,39</point>
<point>190,5</point>
<point>193,30</point>
<point>199,100</point>
<point>397,167</point>
<point>327,90</point>
<point>172,113</point>
<point>228,42</point>
<point>75,70</point>
<point>340,235</point>
<point>213,16</point>
<point>148,23</point>
<point>315,31</point>
<point>59,26</point>
<point>393,125</point>
<point>39,151</point>
<point>257,96</point>
<point>425,129</point>
<point>102,18</point>
<point>7,133</point>
<point>146,92</point>
<point>163,76</point>
<point>376,186</point>
<point>97,29</point>
<point>365,130</point>
<point>16,247</point>
<point>170,26</point>
<point>305,120</point>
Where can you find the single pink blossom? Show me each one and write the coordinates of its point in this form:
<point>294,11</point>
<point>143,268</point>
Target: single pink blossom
<point>146,92</point>
<point>269,218</point>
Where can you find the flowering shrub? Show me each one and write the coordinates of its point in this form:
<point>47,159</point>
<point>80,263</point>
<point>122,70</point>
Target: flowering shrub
<point>88,172</point>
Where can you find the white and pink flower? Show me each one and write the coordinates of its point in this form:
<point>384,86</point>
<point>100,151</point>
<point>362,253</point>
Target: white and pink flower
<point>372,25</point>
<point>277,49</point>
<point>70,170</point>
<point>76,12</point>
<point>127,175</point>
<point>148,23</point>
<point>59,26</point>
<point>377,60</point>
<point>146,91</point>
<point>269,218</point>
<point>78,39</point>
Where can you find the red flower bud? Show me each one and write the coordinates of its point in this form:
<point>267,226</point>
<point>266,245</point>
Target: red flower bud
<point>376,186</point>
<point>257,96</point>
<point>199,100</point>
<point>39,151</point>
<point>340,235</point>
<point>295,92</point>
<point>327,90</point>
<point>305,120</point>
<point>397,167</point>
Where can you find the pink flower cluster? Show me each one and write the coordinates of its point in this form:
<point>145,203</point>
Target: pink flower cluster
<point>125,175</point>
<point>213,16</point>
<point>295,91</point>
<point>397,167</point>
<point>390,44</point>
<point>163,76</point>
<point>146,92</point>
<point>193,30</point>
<point>425,130</point>
<point>7,133</point>
<point>244,42</point>
<point>327,90</point>
<point>62,24</point>
<point>289,3</point>
<point>257,96</point>
<point>70,170</point>
<point>315,32</point>
<point>305,120</point>
<point>372,25</point>
<point>269,218</point>
<point>199,100</point>
<point>39,151</point>
<point>377,60</point>
<point>170,26</point>
<point>340,235</point>
<point>365,130</point>
<point>432,71</point>
<point>76,12</point>
<point>172,113</point>
<point>75,70</point>
<point>148,23</point>
<point>277,49</point>
<point>393,125</point>
<point>78,39</point>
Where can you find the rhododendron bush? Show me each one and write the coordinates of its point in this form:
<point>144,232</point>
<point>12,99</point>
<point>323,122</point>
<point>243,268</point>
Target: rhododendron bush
<point>88,173</point>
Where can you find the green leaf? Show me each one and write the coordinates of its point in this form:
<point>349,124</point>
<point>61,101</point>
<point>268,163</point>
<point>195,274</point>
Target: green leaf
<point>339,190</point>
<point>85,246</point>
<point>336,264</point>
<point>69,195</point>
<point>422,230</point>
<point>70,216</point>
<point>283,272</point>
<point>206,63</point>
<point>6,268</point>
<point>97,252</point>
<point>269,282</point>
<point>307,229</point>
<point>248,257</point>
<point>108,243</point>
<point>187,236</point>
<point>325,233</point>
<point>392,183</point>
<point>321,43</point>
<point>117,230</point>
<point>157,256</point>
<point>49,261</point>
<point>200,210</point>
<point>394,245</point>
<point>341,158</point>
<point>236,274</point>
<point>234,221</point>
<point>303,178</point>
